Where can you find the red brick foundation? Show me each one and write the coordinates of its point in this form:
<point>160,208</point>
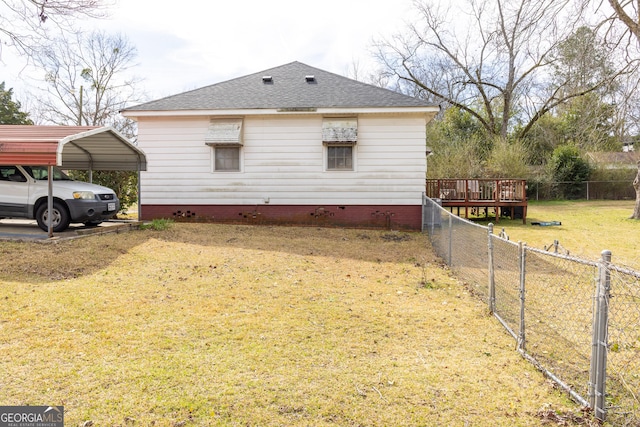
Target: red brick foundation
<point>356,216</point>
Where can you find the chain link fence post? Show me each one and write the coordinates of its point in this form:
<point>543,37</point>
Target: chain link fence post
<point>598,372</point>
<point>523,272</point>
<point>450,241</point>
<point>434,211</point>
<point>492,277</point>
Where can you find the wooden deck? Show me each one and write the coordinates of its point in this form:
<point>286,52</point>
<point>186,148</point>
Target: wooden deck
<point>506,197</point>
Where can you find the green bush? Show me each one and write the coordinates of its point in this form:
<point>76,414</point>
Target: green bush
<point>568,170</point>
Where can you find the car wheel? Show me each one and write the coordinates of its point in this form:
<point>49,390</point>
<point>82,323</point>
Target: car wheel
<point>60,219</point>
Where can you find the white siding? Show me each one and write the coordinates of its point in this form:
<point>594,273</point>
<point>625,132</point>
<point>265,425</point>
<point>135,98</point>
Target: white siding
<point>283,161</point>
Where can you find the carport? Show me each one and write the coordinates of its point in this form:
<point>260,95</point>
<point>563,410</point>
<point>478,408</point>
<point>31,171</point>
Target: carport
<point>69,147</point>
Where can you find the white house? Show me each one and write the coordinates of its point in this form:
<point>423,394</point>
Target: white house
<point>290,145</point>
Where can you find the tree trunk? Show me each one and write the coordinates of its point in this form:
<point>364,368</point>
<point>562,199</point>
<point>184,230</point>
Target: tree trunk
<point>636,186</point>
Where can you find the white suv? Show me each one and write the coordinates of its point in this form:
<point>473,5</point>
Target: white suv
<point>24,191</point>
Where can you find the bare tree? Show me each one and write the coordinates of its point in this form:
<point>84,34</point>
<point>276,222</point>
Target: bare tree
<point>88,79</point>
<point>89,83</point>
<point>24,23</point>
<point>492,59</point>
<point>628,13</point>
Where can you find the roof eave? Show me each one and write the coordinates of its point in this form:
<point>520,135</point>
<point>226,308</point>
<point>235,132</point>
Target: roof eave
<point>428,110</point>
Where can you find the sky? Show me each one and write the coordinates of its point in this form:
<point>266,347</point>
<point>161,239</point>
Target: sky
<point>203,42</point>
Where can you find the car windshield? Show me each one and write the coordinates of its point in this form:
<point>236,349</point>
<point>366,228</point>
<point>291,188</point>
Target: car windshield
<point>42,173</point>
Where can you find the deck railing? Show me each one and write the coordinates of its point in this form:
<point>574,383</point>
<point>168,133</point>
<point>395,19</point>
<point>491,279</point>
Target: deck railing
<point>477,190</point>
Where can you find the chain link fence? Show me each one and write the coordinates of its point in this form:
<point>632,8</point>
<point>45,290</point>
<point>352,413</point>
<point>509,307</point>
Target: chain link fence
<point>623,357</point>
<point>589,190</point>
<point>578,321</point>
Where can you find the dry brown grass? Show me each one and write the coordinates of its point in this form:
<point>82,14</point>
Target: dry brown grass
<point>224,325</point>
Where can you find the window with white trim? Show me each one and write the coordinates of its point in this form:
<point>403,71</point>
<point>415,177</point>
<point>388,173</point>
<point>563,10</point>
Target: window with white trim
<point>224,136</point>
<point>226,158</point>
<point>339,157</point>
<point>340,135</point>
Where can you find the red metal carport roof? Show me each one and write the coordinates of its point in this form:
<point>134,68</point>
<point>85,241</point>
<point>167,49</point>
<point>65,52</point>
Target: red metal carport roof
<point>71,147</point>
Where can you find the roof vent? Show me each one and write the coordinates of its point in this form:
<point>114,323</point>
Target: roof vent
<point>310,79</point>
<point>267,79</point>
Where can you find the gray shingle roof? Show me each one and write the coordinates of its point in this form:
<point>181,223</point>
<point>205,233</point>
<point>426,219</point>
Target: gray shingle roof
<point>289,90</point>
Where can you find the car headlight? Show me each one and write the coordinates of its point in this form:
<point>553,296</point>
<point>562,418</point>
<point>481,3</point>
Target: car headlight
<point>85,195</point>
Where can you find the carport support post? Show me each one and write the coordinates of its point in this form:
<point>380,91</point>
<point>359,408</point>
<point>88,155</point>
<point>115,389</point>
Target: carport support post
<point>50,200</point>
<point>139,194</point>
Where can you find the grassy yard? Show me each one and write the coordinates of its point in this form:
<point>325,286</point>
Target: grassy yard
<point>222,325</point>
<point>588,228</point>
